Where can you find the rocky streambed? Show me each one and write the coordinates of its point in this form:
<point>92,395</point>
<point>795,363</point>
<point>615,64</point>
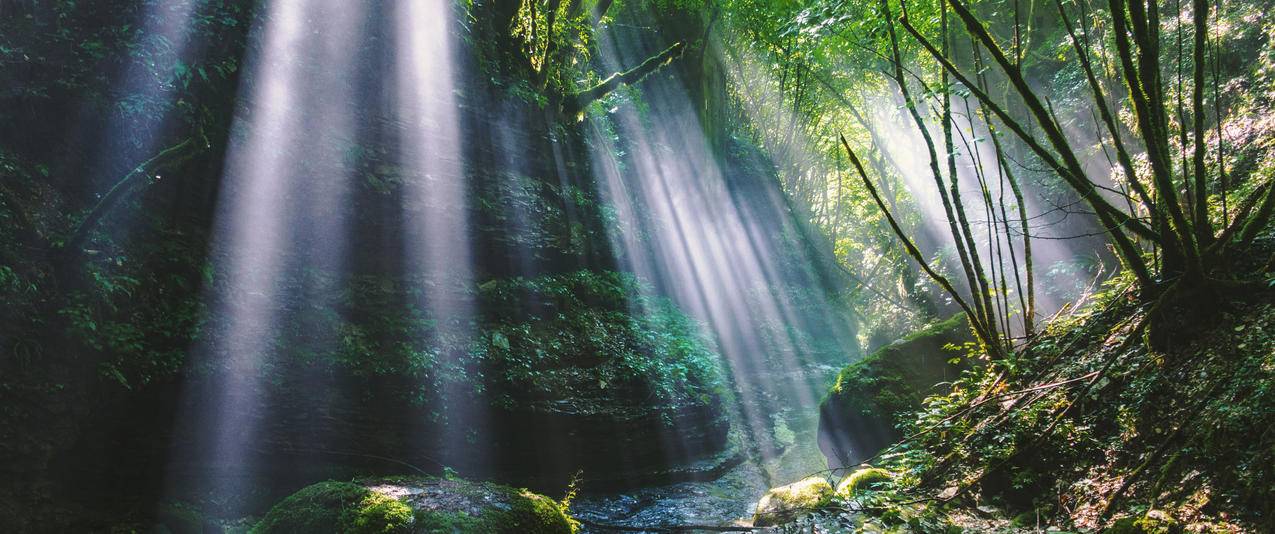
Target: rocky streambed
<point>729,499</point>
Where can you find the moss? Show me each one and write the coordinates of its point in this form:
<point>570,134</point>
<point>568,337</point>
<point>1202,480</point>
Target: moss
<point>1154,522</point>
<point>787,503</point>
<point>380,513</point>
<point>180,518</point>
<point>872,397</point>
<point>861,480</point>
<point>449,522</point>
<point>519,512</point>
<point>417,504</point>
<point>903,372</point>
<point>533,514</point>
<point>336,507</point>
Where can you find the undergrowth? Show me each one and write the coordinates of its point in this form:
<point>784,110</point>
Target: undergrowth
<point>1088,428</point>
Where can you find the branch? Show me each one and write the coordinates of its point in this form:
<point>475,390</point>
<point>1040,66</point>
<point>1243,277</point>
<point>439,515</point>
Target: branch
<point>1241,218</point>
<point>973,272</point>
<point>975,320</point>
<point>1070,170</point>
<point>171,155</point>
<point>1259,221</point>
<point>1122,154</point>
<point>576,103</point>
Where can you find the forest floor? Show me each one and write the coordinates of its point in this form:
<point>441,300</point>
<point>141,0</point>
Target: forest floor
<point>1093,429</point>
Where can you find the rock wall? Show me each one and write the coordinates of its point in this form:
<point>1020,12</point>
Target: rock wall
<point>861,411</point>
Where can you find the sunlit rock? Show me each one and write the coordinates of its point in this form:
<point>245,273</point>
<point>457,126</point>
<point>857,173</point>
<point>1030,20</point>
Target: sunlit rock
<point>1153,522</point>
<point>861,480</point>
<point>416,504</point>
<point>787,503</point>
<point>337,507</point>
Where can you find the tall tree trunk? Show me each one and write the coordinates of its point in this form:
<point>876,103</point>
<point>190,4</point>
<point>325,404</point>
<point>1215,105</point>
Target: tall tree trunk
<point>966,267</point>
<point>1115,221</point>
<point>966,233</point>
<point>1203,229</point>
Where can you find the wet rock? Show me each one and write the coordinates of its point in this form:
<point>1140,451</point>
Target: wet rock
<point>614,448</point>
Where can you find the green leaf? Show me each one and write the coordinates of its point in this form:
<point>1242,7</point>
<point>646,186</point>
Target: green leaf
<point>499,340</point>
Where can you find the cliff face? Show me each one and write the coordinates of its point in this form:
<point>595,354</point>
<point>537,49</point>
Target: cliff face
<point>522,349</point>
<point>871,398</point>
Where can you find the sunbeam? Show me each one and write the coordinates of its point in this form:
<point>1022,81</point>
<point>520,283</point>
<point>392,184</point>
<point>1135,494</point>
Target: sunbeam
<point>437,239</point>
<point>280,212</point>
<point>586,266</point>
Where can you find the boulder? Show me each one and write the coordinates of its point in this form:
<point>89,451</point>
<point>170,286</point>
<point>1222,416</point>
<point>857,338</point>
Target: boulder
<point>1153,522</point>
<point>861,480</point>
<point>859,415</point>
<point>788,503</point>
<point>417,505</point>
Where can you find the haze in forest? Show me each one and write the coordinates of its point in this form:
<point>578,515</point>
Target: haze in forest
<point>636,265</point>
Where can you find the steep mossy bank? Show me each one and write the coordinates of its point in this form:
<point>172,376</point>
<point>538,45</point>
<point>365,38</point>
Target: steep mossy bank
<point>1090,429</point>
<point>860,414</point>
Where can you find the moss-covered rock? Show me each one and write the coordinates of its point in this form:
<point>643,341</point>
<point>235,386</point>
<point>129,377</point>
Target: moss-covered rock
<point>861,480</point>
<point>860,414</point>
<point>419,505</point>
<point>337,507</point>
<point>1153,522</point>
<point>787,503</point>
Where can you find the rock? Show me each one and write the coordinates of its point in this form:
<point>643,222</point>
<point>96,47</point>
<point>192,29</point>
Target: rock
<point>861,480</point>
<point>416,504</point>
<point>602,378</point>
<point>1153,522</point>
<point>559,374</point>
<point>617,447</point>
<point>336,507</point>
<point>859,415</point>
<point>788,503</point>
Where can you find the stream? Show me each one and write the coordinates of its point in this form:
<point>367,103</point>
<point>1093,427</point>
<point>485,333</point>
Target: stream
<point>728,500</point>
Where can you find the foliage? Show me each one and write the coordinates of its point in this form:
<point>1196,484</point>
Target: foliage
<point>139,344</point>
<point>594,338</point>
<point>1089,424</point>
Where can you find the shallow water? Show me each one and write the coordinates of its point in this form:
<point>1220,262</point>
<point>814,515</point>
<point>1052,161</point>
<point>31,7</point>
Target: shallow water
<point>728,500</point>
